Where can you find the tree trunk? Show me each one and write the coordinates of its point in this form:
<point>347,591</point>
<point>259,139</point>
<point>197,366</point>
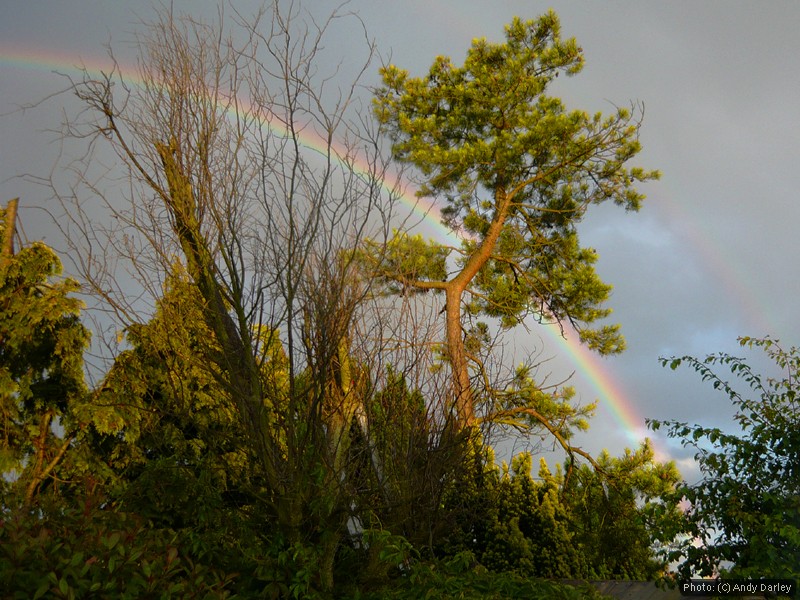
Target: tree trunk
<point>462,389</point>
<point>9,227</point>
<point>329,544</point>
<point>463,398</point>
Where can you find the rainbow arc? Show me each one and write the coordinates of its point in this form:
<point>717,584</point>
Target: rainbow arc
<point>586,363</point>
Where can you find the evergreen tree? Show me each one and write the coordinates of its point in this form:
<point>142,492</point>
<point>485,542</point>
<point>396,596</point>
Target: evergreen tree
<point>171,437</point>
<point>579,524</point>
<point>42,389</point>
<point>530,533</point>
<point>618,512</point>
<point>515,172</point>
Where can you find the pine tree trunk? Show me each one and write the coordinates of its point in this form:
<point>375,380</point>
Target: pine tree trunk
<point>462,390</point>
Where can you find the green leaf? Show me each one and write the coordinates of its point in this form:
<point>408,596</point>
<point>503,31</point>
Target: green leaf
<point>513,172</point>
<point>742,507</point>
<point>112,540</point>
<point>41,590</point>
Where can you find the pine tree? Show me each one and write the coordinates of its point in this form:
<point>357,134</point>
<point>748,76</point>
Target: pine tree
<point>515,172</point>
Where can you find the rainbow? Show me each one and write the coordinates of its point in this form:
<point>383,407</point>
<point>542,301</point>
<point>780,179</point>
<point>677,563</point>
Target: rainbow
<point>752,300</point>
<point>586,363</point>
<point>50,61</point>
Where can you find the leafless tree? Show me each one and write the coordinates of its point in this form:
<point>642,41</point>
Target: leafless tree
<point>242,159</point>
<point>253,169</point>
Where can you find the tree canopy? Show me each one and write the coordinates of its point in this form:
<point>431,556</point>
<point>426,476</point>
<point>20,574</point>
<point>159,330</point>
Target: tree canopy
<point>514,171</point>
<point>744,514</point>
<point>42,342</point>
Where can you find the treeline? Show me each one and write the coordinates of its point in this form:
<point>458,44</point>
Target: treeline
<point>303,399</point>
<point>149,484</point>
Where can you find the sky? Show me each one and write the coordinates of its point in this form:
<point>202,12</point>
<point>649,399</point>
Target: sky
<point>711,256</point>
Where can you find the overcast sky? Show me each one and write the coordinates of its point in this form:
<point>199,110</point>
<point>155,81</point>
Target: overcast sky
<point>712,255</point>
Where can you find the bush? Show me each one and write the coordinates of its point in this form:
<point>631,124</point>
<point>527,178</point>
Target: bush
<point>744,511</point>
<point>59,552</point>
<point>461,577</point>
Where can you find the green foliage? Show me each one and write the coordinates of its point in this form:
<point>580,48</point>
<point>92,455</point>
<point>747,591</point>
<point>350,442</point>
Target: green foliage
<point>516,171</point>
<point>524,404</point>
<point>92,552</point>
<point>586,524</point>
<point>161,402</point>
<point>618,513</point>
<point>529,533</point>
<point>41,369</point>
<point>401,461</point>
<point>131,442</point>
<point>178,455</point>
<point>461,577</point>
<point>745,510</point>
<point>405,260</point>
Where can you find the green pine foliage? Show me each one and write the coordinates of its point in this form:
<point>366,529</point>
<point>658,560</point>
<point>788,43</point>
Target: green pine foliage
<point>515,171</point>
<point>618,512</point>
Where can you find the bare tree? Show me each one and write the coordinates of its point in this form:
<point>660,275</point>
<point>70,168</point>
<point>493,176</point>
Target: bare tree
<point>254,169</point>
